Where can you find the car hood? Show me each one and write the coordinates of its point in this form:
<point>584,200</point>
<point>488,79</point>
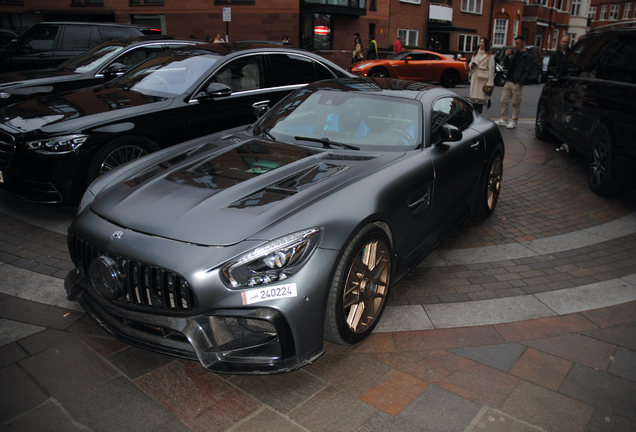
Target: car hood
<point>38,77</point>
<point>75,110</point>
<point>221,195</point>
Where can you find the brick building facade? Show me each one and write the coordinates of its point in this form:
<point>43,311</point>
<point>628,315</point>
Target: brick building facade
<point>603,13</point>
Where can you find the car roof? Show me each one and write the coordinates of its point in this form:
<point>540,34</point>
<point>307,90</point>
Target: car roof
<point>152,38</point>
<point>84,23</point>
<point>378,86</point>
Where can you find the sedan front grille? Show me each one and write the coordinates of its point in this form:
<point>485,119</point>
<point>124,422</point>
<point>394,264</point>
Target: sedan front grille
<point>7,149</point>
<point>144,286</point>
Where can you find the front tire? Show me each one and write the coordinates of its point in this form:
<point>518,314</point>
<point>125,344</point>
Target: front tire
<point>118,152</point>
<point>541,124</point>
<point>450,78</point>
<point>379,72</point>
<point>490,186</point>
<point>600,166</point>
<point>359,288</point>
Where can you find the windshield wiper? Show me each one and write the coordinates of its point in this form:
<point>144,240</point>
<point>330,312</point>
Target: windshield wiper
<point>265,132</point>
<point>327,143</point>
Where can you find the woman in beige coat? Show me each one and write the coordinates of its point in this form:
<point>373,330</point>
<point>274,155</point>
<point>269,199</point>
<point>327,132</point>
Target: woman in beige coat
<point>482,70</point>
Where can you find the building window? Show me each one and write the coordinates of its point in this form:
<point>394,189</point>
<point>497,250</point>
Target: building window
<point>472,6</point>
<point>373,5</point>
<point>411,1</point>
<point>136,2</point>
<point>614,12</point>
<point>541,2</point>
<point>572,39</point>
<point>538,38</point>
<point>501,28</point>
<point>592,13</point>
<point>88,2</point>
<point>468,43</point>
<point>408,36</point>
<point>628,9</point>
<point>559,4</point>
<point>555,38</point>
<point>603,12</point>
<point>516,29</point>
<point>576,7</point>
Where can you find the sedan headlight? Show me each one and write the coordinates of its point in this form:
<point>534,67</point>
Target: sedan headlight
<point>362,66</point>
<point>273,261</point>
<point>5,95</point>
<point>57,145</point>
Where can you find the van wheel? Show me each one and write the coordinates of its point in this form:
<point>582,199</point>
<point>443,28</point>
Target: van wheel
<point>541,124</point>
<point>600,168</point>
<point>118,152</point>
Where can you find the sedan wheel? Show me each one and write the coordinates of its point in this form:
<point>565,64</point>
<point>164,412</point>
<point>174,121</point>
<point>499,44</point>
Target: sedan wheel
<point>379,73</point>
<point>118,152</point>
<point>360,287</point>
<point>450,78</point>
<point>490,188</point>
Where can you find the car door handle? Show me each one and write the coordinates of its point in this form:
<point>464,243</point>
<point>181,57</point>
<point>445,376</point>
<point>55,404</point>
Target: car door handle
<point>260,104</point>
<point>474,145</point>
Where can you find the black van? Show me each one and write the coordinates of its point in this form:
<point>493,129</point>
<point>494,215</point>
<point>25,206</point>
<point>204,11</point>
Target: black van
<point>590,104</point>
<point>48,44</point>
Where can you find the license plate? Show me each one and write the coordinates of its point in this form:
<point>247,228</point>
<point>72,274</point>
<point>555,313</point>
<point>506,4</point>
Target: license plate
<point>1,177</point>
<point>269,293</point>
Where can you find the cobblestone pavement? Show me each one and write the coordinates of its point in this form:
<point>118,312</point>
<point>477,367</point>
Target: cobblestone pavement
<point>566,366</point>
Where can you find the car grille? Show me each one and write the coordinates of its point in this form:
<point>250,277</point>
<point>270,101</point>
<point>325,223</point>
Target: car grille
<point>7,149</point>
<point>144,286</point>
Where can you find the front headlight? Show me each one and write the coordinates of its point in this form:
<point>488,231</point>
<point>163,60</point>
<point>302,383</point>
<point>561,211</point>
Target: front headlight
<point>362,66</point>
<point>57,145</point>
<point>273,261</point>
<point>5,95</point>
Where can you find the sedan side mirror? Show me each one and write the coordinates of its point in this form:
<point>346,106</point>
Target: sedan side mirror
<point>215,90</point>
<point>116,69</point>
<point>449,133</point>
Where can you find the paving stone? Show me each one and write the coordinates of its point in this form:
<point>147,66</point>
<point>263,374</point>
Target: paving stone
<point>580,349</point>
<point>612,315</point>
<point>175,426</point>
<point>624,364</point>
<point>19,393</point>
<point>345,371</point>
<point>68,369</point>
<point>393,392</point>
<point>283,392</point>
<point>11,353</point>
<point>546,409</point>
<point>12,331</point>
<point>590,296</point>
<point>117,405</point>
<point>501,356</point>
<point>543,327</point>
<point>464,377</point>
<point>383,422</point>
<point>490,420</point>
<point>104,346</point>
<point>623,335</point>
<point>201,399</point>
<point>45,418</point>
<point>605,421</point>
<point>35,313</point>
<point>135,362</point>
<point>540,368</point>
<point>438,410</point>
<point>269,421</point>
<point>332,410</point>
<point>46,339</point>
<point>425,340</point>
<point>602,390</point>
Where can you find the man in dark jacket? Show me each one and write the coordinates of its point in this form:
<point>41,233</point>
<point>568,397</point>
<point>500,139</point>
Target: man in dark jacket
<point>519,65</point>
<point>558,57</point>
<point>372,49</point>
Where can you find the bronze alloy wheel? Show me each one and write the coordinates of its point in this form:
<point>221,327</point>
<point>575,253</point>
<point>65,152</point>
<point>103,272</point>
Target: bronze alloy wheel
<point>120,156</point>
<point>367,286</point>
<point>493,183</point>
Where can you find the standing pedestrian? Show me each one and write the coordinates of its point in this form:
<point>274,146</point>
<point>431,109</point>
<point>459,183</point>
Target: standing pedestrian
<point>397,46</point>
<point>482,71</point>
<point>372,49</point>
<point>218,38</point>
<point>558,57</point>
<point>519,66</point>
<point>358,52</point>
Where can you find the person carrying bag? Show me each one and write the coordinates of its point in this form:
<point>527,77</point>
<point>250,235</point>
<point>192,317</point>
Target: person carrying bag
<point>482,71</point>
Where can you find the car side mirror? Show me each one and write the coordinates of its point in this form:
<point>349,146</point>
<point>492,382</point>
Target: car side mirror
<point>116,69</point>
<point>449,133</point>
<point>260,111</point>
<point>215,90</point>
<point>408,58</point>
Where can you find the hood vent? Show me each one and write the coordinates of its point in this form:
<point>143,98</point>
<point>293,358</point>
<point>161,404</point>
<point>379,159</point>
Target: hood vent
<point>340,157</point>
<point>232,139</point>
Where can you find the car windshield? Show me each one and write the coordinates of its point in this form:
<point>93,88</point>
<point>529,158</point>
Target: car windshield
<point>172,72</point>
<point>91,59</point>
<point>328,117</point>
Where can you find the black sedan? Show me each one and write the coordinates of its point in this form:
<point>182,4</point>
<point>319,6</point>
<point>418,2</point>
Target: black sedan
<point>52,147</point>
<point>96,66</point>
<point>244,249</point>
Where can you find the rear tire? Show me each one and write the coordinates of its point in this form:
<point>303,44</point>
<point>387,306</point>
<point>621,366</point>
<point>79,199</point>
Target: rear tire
<point>118,152</point>
<point>359,288</point>
<point>541,124</point>
<point>450,78</point>
<point>490,186</point>
<point>600,167</point>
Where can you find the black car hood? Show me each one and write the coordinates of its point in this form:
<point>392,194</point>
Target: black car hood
<point>76,110</point>
<point>38,77</point>
<point>221,196</point>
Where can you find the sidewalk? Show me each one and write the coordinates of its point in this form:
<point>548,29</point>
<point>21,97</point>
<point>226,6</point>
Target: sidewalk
<point>523,322</point>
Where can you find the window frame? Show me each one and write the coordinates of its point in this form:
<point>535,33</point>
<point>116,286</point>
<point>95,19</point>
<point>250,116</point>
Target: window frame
<point>405,36</point>
<point>575,8</point>
<point>465,38</point>
<point>466,6</point>
<point>613,12</point>
<point>504,33</point>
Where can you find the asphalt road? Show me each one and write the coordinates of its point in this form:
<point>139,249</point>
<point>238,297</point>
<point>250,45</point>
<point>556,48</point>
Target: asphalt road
<point>529,101</point>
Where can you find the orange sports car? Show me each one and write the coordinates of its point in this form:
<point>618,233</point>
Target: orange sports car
<point>418,65</point>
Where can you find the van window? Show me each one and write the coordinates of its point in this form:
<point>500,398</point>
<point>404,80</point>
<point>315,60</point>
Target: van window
<point>112,33</point>
<point>42,38</point>
<point>76,38</point>
<point>618,63</point>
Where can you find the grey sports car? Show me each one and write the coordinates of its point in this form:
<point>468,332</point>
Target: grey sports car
<point>246,248</point>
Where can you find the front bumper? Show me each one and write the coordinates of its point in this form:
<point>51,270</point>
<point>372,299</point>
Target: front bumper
<point>236,341</point>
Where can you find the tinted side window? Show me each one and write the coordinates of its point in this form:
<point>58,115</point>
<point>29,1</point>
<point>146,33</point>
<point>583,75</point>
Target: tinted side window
<point>584,58</point>
<point>618,62</point>
<point>242,74</point>
<point>76,38</point>
<point>112,33</point>
<point>449,110</point>
<point>322,72</point>
<point>41,38</point>
<point>289,69</point>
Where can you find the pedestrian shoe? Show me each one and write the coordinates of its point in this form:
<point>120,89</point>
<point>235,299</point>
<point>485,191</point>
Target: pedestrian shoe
<point>501,122</point>
<point>512,124</point>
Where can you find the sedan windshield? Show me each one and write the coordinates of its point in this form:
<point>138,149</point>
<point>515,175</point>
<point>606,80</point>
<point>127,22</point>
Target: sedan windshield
<point>172,72</point>
<point>330,117</point>
<point>91,59</point>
